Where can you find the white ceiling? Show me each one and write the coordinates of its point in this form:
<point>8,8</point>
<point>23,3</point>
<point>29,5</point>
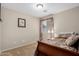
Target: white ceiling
<point>29,8</point>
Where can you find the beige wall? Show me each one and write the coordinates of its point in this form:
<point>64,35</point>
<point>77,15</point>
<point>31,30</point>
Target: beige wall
<point>67,21</point>
<point>0,36</point>
<point>0,28</point>
<point>14,36</point>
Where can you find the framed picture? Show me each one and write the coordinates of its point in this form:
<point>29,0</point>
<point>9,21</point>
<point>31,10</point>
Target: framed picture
<point>21,22</point>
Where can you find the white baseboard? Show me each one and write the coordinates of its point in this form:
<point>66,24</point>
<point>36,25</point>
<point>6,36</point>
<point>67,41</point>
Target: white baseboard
<point>19,46</point>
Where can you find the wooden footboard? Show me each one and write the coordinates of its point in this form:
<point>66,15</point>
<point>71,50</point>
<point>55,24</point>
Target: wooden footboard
<point>44,49</point>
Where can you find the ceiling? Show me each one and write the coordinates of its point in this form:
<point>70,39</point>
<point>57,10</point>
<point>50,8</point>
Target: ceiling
<point>49,8</point>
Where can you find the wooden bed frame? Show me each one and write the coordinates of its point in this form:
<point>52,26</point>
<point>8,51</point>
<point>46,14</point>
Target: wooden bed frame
<point>44,49</point>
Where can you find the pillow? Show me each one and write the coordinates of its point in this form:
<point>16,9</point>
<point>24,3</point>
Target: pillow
<point>77,36</point>
<point>64,36</point>
<point>71,40</point>
<point>76,45</point>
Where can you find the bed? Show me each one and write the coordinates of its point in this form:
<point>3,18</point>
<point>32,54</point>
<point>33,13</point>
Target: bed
<point>55,47</point>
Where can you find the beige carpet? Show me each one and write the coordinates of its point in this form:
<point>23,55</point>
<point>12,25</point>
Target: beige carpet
<point>21,51</point>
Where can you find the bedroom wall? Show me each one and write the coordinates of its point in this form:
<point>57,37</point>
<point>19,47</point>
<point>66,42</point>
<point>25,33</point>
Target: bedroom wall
<point>67,21</point>
<point>13,36</point>
<point>0,28</point>
<point>0,36</point>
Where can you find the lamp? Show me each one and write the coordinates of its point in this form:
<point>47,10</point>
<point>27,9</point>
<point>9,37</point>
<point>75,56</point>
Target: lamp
<point>52,31</point>
<point>49,31</point>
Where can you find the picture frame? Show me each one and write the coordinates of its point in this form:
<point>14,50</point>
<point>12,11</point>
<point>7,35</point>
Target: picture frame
<point>21,22</point>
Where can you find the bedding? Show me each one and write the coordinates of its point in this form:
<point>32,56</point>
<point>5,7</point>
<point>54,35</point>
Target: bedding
<point>59,43</point>
<point>65,36</point>
<point>71,40</point>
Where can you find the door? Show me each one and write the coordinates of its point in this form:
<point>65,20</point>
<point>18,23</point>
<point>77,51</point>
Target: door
<point>46,28</point>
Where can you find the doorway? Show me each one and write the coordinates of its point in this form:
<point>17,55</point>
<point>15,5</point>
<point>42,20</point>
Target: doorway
<point>46,28</point>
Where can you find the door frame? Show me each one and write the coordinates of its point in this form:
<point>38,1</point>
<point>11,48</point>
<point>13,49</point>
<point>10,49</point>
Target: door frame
<point>40,34</point>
